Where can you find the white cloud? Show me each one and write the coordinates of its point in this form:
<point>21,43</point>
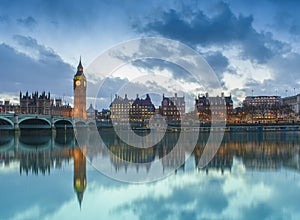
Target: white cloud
<point>31,213</point>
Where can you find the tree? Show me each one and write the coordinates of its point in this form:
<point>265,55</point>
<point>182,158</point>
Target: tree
<point>250,110</point>
<point>287,111</point>
<point>263,110</point>
<point>276,110</point>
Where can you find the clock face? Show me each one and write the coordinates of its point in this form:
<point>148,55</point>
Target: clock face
<point>77,83</point>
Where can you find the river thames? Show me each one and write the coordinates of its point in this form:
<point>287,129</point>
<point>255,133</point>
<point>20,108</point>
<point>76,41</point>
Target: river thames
<point>254,175</point>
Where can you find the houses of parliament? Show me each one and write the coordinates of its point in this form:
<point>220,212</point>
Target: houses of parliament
<point>43,104</point>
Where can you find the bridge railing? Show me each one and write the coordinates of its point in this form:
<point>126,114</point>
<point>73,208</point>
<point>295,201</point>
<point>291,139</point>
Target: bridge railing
<point>17,119</point>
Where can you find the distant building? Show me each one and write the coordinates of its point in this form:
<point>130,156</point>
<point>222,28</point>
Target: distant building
<point>262,108</point>
<point>141,111</point>
<point>202,107</point>
<point>58,109</point>
<point>35,103</point>
<point>293,102</point>
<point>103,115</point>
<point>217,106</point>
<point>119,108</point>
<point>43,105</point>
<point>266,101</point>
<point>7,107</point>
<point>172,108</point>
<point>91,113</point>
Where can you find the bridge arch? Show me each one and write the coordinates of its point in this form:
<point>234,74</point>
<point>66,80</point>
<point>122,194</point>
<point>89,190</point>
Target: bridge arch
<point>63,123</point>
<point>6,123</point>
<point>80,123</point>
<point>34,123</point>
<point>92,123</point>
<point>25,147</point>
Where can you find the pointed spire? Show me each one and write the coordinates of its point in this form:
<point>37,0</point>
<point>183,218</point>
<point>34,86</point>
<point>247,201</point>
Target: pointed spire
<point>80,67</point>
<point>80,201</point>
<point>80,198</point>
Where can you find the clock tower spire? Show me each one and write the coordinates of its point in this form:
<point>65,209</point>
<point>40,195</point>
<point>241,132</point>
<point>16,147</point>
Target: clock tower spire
<point>79,82</point>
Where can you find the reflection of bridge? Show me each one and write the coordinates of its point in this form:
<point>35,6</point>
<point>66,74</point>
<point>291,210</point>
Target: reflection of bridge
<point>27,121</point>
<point>39,141</point>
<point>38,153</point>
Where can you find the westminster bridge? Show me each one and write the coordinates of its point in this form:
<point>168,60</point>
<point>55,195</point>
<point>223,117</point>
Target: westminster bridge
<point>11,121</point>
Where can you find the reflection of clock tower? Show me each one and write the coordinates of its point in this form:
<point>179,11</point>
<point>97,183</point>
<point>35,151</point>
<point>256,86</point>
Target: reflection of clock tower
<point>79,93</point>
<point>79,172</point>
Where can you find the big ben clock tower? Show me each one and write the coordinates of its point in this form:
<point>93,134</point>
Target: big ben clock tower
<point>79,93</point>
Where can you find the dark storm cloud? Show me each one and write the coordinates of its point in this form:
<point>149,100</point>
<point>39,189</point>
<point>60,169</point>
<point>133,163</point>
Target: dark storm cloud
<point>32,44</point>
<point>22,72</point>
<point>28,22</point>
<point>223,28</point>
<point>156,65</point>
<point>217,61</point>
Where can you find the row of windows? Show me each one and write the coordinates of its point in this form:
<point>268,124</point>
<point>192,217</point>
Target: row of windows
<point>173,109</point>
<point>172,104</point>
<point>171,113</point>
<point>263,102</point>
<point>121,105</point>
<point>129,107</point>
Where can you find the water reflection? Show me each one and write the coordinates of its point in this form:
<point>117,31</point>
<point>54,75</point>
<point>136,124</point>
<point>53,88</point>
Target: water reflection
<point>39,154</point>
<point>258,151</point>
<point>39,151</point>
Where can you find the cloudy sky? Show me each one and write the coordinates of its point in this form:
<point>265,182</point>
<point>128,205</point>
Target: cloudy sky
<point>250,45</point>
